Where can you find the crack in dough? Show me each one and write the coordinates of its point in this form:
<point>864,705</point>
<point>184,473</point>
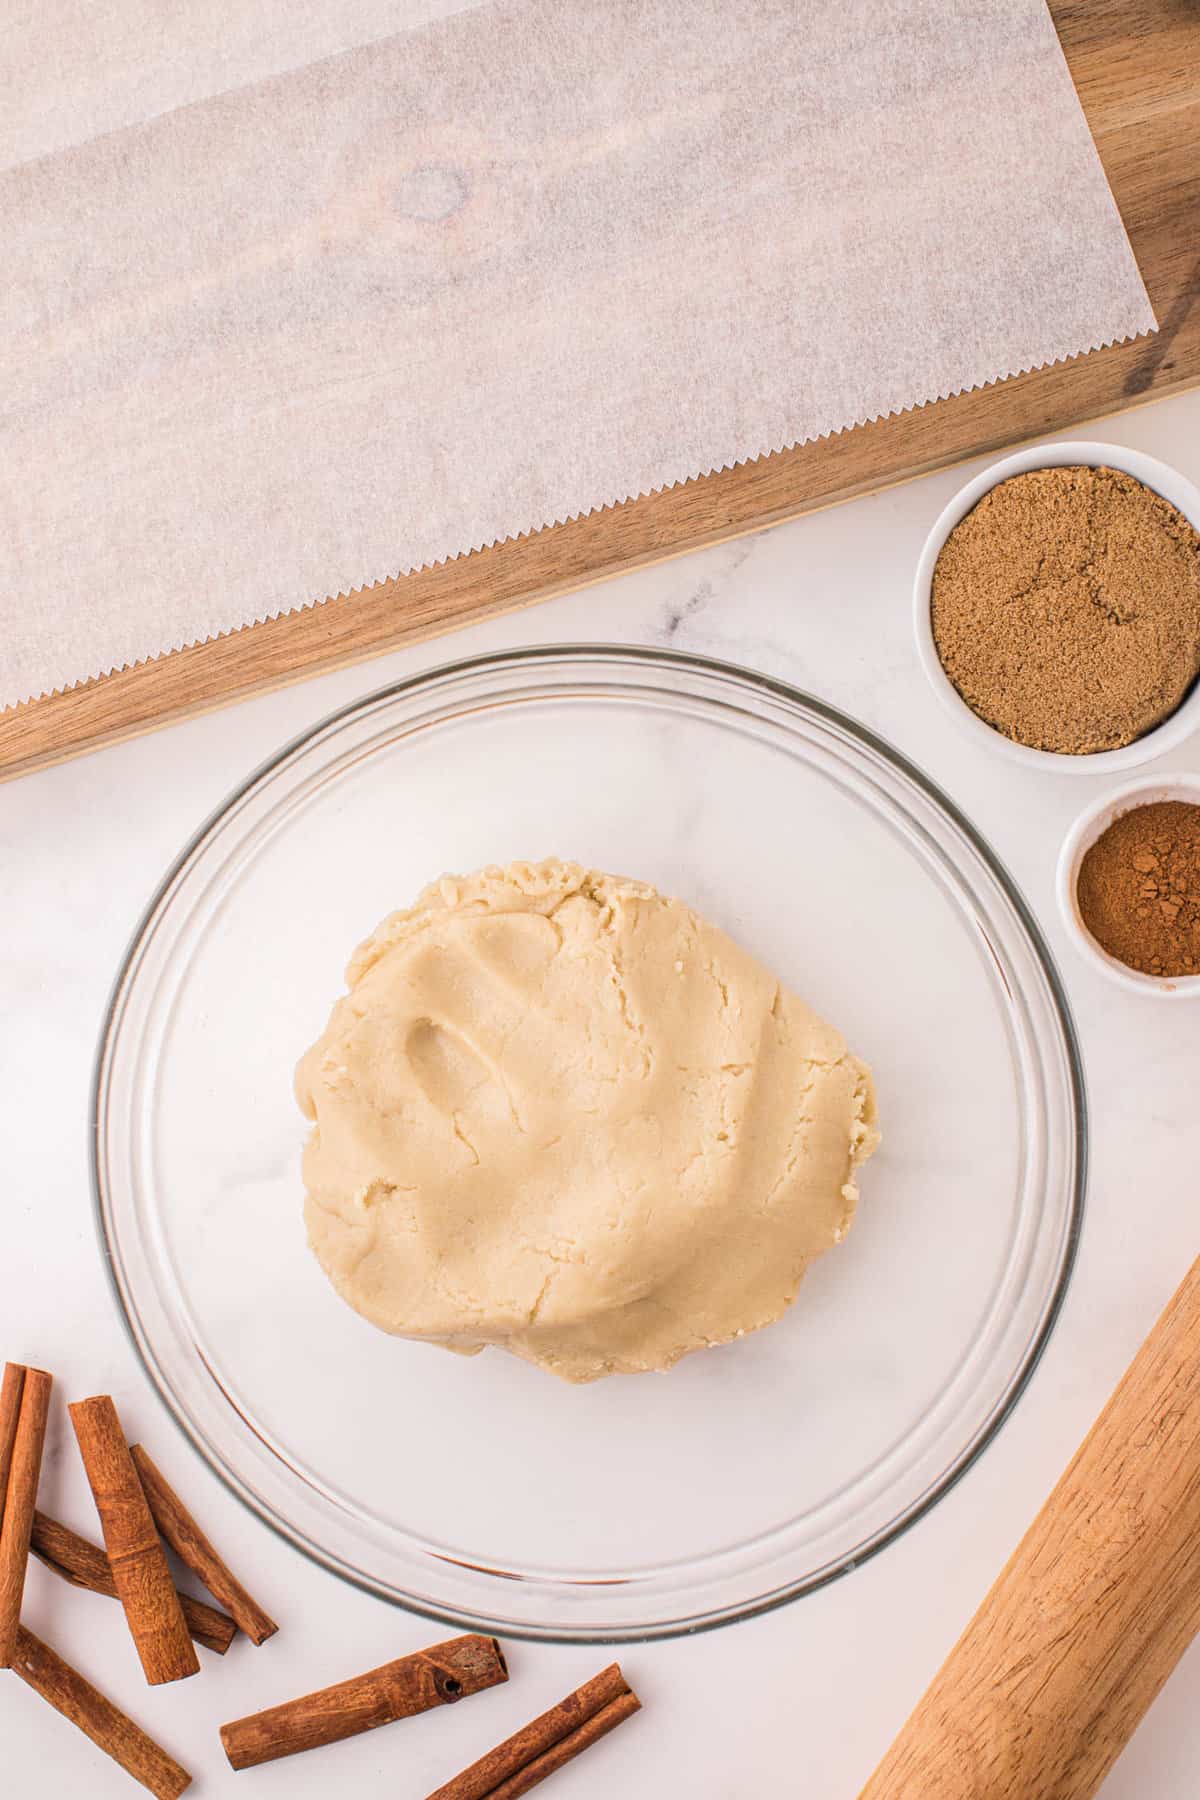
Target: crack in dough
<point>560,1113</point>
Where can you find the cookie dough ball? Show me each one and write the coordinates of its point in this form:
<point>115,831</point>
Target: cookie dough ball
<point>558,1112</point>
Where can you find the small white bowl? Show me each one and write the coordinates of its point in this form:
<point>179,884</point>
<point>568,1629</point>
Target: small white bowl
<point>1079,840</point>
<point>1157,475</point>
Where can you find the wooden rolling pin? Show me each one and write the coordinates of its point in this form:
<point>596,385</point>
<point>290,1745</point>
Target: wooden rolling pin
<point>1096,1605</point>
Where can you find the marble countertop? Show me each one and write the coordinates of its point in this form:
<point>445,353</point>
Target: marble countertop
<point>808,1697</point>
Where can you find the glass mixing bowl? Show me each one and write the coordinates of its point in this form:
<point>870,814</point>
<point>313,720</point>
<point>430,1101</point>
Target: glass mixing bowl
<point>482,1491</point>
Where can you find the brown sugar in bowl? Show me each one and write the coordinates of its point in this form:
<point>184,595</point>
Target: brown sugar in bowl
<point>1163,481</point>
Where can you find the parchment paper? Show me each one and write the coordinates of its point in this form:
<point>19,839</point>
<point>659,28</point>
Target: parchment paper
<point>512,264</point>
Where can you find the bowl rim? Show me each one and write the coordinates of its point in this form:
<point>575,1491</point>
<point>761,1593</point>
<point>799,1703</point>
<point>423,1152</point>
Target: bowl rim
<point>1090,824</point>
<point>1170,484</point>
<point>645,658</point>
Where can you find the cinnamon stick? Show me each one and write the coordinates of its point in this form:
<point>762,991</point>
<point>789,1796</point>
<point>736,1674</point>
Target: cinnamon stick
<point>549,1742</point>
<point>10,1405</point>
<point>77,1560</point>
<point>76,1699</point>
<point>135,1555</point>
<point>434,1677</point>
<point>191,1546</point>
<point>20,1499</point>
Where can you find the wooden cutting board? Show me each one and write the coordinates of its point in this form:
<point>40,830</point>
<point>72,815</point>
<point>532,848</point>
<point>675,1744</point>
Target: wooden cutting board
<point>1137,68</point>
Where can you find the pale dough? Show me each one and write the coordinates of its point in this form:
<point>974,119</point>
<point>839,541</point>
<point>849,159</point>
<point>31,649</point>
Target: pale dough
<point>559,1112</point>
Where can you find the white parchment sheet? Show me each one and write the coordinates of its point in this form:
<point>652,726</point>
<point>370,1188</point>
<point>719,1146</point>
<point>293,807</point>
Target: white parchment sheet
<point>516,262</point>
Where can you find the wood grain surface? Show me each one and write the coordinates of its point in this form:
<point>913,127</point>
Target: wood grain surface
<point>1096,1605</point>
<point>1137,69</point>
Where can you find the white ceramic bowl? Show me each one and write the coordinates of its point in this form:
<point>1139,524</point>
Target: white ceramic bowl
<point>1165,481</point>
<point>1079,840</point>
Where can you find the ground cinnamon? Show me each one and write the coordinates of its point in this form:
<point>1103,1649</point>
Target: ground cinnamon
<point>1066,608</point>
<point>1139,889</point>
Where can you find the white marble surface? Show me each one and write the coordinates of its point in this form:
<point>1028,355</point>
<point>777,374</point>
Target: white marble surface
<point>811,1695</point>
